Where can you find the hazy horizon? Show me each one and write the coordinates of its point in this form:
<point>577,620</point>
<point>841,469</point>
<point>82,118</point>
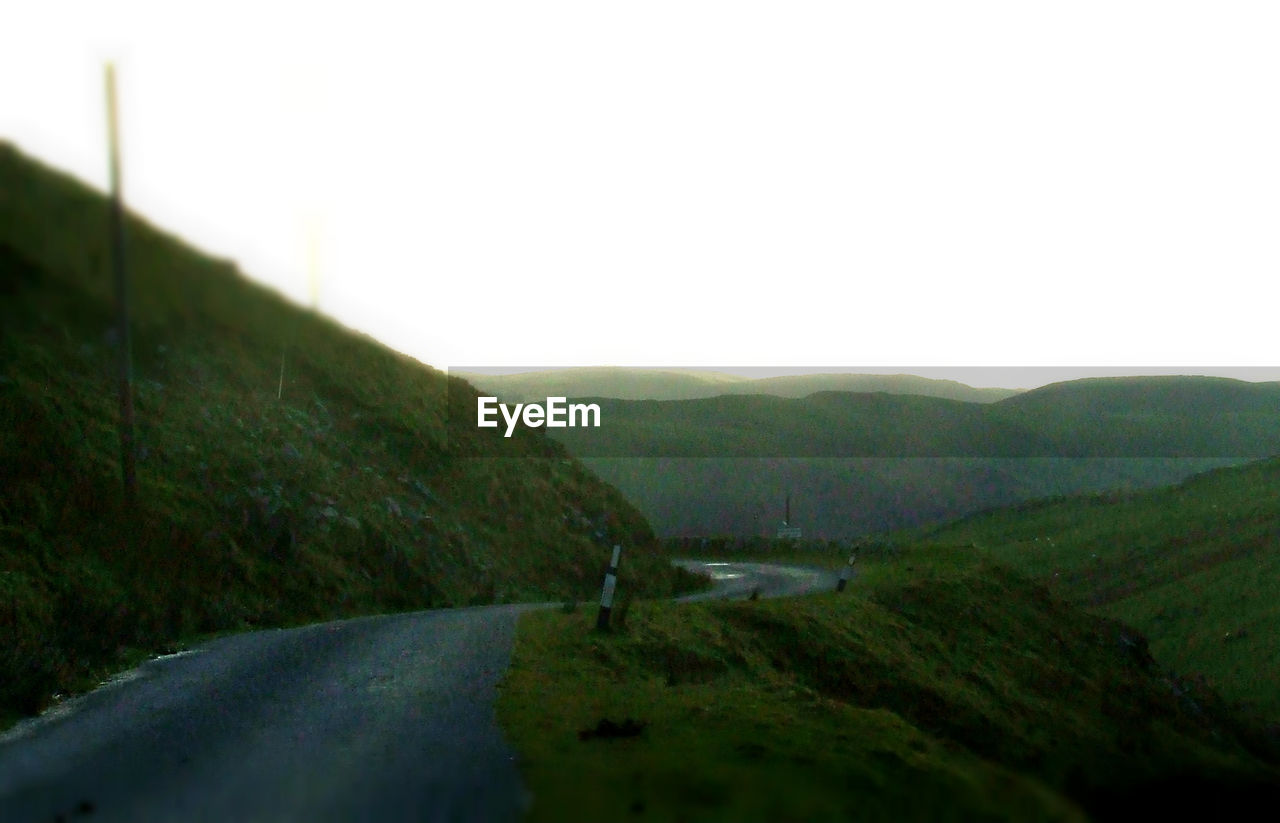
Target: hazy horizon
<point>1004,377</point>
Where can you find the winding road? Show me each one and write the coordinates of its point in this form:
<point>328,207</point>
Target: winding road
<point>386,718</point>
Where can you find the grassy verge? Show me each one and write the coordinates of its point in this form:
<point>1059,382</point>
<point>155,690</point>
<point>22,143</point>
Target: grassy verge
<point>943,687</point>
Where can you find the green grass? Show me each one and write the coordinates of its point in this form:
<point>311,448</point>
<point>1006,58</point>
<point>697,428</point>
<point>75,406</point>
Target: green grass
<point>848,498</point>
<point>942,686</point>
<point>1195,567</point>
<point>858,463</point>
<point>363,486</point>
<point>1131,417</point>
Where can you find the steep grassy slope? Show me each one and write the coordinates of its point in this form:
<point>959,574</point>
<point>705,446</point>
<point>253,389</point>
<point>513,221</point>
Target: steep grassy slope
<point>940,686</point>
<point>659,384</point>
<point>345,494</point>
<point>1195,566</point>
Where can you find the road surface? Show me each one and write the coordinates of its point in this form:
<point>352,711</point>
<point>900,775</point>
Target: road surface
<point>387,718</point>
<point>772,579</point>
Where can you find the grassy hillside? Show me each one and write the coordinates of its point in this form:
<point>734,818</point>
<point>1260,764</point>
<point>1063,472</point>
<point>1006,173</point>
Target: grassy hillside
<point>1138,417</point>
<point>858,462</point>
<point>827,424</point>
<point>1195,566</point>
<point>675,384</point>
<point>845,498</point>
<point>347,493</point>
<point>1101,397</point>
<point>940,686</point>
<point>1174,416</point>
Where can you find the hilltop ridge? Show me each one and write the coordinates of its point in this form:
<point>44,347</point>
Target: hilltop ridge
<point>619,383</point>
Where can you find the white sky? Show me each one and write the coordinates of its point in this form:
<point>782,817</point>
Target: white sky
<point>689,183</point>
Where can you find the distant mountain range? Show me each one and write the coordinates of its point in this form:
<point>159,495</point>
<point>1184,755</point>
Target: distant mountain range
<point>862,462</point>
<point>685,384</point>
<point>1136,417</point>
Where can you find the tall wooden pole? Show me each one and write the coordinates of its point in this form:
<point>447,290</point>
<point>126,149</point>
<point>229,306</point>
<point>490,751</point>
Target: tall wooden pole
<point>128,468</point>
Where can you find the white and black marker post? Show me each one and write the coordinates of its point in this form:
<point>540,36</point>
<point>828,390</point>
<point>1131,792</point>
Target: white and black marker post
<point>845,572</point>
<point>606,596</point>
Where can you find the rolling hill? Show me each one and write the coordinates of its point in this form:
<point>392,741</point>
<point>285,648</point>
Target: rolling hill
<point>939,686</point>
<point>675,384</point>
<point>1195,566</point>
<point>1174,416</point>
<point>289,469</point>
<point>862,462</point>
<point>1133,417</point>
<point>844,498</point>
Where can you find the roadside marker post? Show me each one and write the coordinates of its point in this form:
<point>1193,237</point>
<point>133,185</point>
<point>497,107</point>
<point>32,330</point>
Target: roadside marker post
<point>606,596</point>
<point>846,572</point>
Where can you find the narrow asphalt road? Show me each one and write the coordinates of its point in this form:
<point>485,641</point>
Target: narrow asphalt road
<point>772,579</point>
<point>387,718</point>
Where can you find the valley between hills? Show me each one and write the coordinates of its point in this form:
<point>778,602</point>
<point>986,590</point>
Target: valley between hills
<point>1063,605</point>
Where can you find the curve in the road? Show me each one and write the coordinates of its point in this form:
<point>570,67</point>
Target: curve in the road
<point>387,718</point>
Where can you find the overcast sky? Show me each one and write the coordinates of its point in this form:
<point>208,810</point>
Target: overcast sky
<point>896,184</point>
